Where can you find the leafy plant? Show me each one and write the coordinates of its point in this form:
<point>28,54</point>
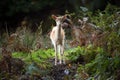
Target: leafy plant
<point>39,57</point>
<point>86,53</point>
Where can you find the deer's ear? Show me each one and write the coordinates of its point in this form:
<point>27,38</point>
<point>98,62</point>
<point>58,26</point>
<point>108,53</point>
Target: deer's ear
<point>54,17</point>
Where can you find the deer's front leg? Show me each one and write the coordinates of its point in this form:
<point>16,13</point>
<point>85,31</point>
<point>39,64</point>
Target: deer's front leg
<point>55,46</point>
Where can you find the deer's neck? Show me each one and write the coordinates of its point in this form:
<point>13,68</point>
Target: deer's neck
<point>59,30</point>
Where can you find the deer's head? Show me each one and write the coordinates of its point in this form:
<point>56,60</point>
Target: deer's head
<point>65,20</point>
<point>58,19</point>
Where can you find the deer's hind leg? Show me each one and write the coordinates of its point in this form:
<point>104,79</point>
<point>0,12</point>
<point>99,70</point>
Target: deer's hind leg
<point>62,54</point>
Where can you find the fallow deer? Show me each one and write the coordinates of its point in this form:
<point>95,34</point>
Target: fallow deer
<point>93,32</point>
<point>57,37</point>
<point>77,33</point>
<point>81,34</point>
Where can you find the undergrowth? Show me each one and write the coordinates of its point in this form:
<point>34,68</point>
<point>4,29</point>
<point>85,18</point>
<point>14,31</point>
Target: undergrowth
<point>39,56</point>
<point>97,63</point>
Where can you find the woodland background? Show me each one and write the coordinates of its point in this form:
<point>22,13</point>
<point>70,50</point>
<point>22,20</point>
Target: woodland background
<point>26,52</point>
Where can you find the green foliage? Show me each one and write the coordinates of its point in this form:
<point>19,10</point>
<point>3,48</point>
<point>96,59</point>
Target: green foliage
<point>102,67</point>
<point>87,53</point>
<point>39,57</point>
<point>75,53</point>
